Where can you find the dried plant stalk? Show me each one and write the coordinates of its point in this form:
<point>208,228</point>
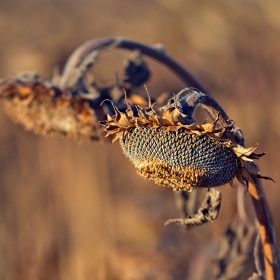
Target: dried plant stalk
<point>271,256</point>
<point>106,44</point>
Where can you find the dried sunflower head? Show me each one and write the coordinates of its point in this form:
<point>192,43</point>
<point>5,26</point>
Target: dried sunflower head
<point>44,108</point>
<point>172,150</point>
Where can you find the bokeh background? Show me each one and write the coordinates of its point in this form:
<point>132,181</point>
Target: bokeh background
<point>70,211</point>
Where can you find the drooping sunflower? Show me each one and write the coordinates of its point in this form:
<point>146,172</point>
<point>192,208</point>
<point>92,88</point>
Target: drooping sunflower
<point>172,150</point>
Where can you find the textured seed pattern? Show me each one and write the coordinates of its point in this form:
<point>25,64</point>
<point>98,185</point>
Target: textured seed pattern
<point>178,159</point>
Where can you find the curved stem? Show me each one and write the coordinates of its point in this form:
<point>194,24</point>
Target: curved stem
<point>271,257</point>
<point>194,98</point>
<point>104,44</point>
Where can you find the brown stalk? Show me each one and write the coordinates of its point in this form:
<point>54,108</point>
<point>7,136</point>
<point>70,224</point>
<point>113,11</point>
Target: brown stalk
<point>271,256</point>
<point>105,44</point>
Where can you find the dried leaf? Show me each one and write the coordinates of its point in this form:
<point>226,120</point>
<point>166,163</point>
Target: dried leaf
<point>235,250</point>
<point>209,211</point>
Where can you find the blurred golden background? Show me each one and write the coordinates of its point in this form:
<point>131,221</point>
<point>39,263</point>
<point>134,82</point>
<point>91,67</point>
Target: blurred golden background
<point>71,211</point>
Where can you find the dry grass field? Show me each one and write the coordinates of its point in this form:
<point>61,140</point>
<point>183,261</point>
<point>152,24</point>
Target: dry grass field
<point>79,211</point>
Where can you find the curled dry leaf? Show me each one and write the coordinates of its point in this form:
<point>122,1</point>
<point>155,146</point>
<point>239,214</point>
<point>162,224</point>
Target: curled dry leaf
<point>208,212</point>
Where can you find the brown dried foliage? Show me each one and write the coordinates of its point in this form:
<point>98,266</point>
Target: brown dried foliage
<point>43,108</point>
<point>208,212</point>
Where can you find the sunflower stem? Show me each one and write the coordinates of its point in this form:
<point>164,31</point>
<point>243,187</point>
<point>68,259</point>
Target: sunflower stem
<point>271,256</point>
<point>194,98</point>
<point>106,44</point>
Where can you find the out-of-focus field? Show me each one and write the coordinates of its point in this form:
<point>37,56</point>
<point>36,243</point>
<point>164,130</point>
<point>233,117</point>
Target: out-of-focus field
<point>70,211</point>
